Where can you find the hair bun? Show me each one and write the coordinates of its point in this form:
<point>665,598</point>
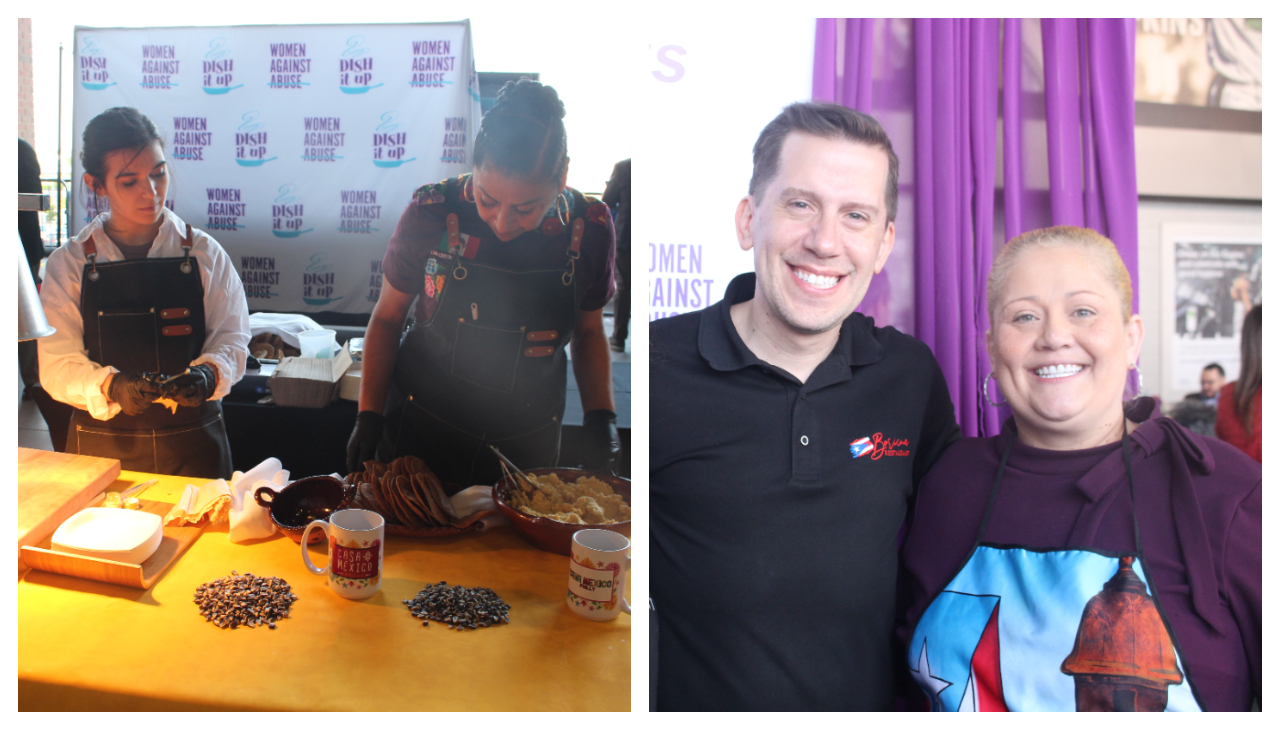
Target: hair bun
<point>523,134</point>
<point>529,98</point>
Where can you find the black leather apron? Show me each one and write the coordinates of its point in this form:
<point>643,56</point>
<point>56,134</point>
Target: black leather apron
<point>147,315</point>
<point>487,365</point>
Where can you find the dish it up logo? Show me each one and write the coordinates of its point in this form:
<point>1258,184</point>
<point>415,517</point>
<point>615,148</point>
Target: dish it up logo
<point>93,65</point>
<point>218,70</point>
<point>251,141</point>
<point>286,214</point>
<point>318,282</point>
<point>355,68</point>
<point>878,445</point>
<point>389,142</point>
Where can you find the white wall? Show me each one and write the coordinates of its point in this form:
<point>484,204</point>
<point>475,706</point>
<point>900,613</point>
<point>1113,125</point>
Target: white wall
<point>707,87</point>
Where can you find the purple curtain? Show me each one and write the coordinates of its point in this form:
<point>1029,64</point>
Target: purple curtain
<point>1068,81</point>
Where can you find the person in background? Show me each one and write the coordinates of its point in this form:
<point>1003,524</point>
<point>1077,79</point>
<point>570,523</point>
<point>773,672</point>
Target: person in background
<point>1212,378</point>
<point>617,194</point>
<point>146,309</point>
<point>508,267</point>
<point>1091,556</point>
<point>33,245</point>
<point>788,433</point>
<point>1240,403</point>
<point>1199,410</point>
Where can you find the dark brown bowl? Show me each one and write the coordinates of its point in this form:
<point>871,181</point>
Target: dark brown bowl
<point>302,501</point>
<point>550,535</point>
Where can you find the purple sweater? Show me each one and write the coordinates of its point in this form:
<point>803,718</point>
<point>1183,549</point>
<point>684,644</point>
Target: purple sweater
<point>1200,517</point>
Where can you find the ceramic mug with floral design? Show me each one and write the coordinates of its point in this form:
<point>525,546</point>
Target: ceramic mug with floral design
<point>598,567</point>
<point>355,552</point>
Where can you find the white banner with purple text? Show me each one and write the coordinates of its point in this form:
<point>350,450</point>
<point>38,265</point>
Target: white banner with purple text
<point>296,146</point>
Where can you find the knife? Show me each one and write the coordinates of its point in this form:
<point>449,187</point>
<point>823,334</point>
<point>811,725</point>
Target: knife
<point>128,492</point>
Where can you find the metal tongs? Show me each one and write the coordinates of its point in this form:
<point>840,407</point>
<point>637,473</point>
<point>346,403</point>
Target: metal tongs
<point>508,466</point>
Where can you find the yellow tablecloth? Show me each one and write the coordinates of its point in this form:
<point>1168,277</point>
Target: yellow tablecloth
<point>84,645</point>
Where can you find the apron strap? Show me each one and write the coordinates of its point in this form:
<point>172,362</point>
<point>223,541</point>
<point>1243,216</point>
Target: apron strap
<point>91,253</point>
<point>1133,493</point>
<point>995,488</point>
<point>455,244</point>
<point>575,246</point>
<point>186,251</point>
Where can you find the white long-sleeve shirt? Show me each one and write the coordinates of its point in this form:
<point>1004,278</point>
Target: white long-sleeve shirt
<point>66,371</point>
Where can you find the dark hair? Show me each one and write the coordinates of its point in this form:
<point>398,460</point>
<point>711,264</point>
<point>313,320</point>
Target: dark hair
<point>118,128</point>
<point>523,134</point>
<point>1250,367</point>
<point>1215,366</point>
<point>830,121</point>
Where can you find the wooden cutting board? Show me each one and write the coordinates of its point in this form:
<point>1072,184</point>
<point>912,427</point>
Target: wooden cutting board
<point>54,486</point>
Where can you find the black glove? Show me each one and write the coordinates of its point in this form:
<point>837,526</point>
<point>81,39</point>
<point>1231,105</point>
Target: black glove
<point>364,440</point>
<point>600,432</point>
<point>133,391</point>
<point>192,387</point>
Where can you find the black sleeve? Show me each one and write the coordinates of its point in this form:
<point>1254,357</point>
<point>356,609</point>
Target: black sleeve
<point>29,220</point>
<point>613,191</point>
<point>939,429</point>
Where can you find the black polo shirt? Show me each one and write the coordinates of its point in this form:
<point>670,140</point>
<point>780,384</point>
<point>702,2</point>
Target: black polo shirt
<point>775,510</point>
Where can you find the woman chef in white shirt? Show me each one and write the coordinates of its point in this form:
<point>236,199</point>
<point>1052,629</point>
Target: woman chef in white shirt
<point>147,309</point>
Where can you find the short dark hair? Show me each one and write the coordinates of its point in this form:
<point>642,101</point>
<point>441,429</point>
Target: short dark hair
<point>1215,366</point>
<point>830,121</point>
<point>118,128</point>
<point>523,134</point>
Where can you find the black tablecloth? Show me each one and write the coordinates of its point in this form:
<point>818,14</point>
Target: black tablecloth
<point>311,441</point>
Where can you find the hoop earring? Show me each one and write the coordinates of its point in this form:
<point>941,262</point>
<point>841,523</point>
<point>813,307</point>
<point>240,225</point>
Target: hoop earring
<point>563,215</point>
<point>986,397</point>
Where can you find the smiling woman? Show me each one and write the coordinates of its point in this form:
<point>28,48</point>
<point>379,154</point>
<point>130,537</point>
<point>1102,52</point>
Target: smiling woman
<point>1084,504</point>
<point>1063,336</point>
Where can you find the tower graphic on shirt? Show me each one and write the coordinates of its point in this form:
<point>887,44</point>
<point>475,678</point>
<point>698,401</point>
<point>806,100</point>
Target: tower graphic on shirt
<point>995,639</point>
<point>1123,659</point>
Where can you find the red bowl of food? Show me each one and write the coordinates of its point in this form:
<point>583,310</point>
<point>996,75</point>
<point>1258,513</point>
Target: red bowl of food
<point>302,501</point>
<point>552,535</point>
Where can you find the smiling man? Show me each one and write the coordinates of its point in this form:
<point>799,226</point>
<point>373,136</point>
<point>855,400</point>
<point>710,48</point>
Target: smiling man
<point>788,434</point>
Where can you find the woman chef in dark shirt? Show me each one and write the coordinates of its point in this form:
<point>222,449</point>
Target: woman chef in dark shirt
<point>146,308</point>
<point>507,266</point>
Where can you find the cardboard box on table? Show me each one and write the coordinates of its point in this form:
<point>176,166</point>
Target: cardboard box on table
<point>308,382</point>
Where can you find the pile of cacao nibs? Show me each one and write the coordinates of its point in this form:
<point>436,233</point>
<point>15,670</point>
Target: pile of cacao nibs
<point>459,607</point>
<point>244,600</point>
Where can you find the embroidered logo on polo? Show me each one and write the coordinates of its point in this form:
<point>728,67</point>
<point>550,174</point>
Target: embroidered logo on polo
<point>879,445</point>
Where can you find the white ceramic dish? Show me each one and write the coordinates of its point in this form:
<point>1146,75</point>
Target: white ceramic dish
<point>126,536</point>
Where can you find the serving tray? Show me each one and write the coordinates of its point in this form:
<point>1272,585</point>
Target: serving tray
<point>143,575</point>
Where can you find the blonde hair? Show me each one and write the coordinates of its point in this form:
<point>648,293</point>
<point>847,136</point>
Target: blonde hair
<point>1085,239</point>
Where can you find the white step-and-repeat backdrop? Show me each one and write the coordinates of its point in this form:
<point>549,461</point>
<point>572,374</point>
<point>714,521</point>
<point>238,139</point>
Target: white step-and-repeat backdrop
<point>296,147</point>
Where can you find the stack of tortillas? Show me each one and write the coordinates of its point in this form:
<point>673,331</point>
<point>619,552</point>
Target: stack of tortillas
<point>405,492</point>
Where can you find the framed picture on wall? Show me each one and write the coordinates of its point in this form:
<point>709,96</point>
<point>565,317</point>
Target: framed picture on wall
<point>1212,277</point>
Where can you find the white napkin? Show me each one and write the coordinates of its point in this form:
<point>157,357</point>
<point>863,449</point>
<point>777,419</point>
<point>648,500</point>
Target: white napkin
<point>207,501</point>
<point>286,325</point>
<point>477,499</point>
<point>250,520</point>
